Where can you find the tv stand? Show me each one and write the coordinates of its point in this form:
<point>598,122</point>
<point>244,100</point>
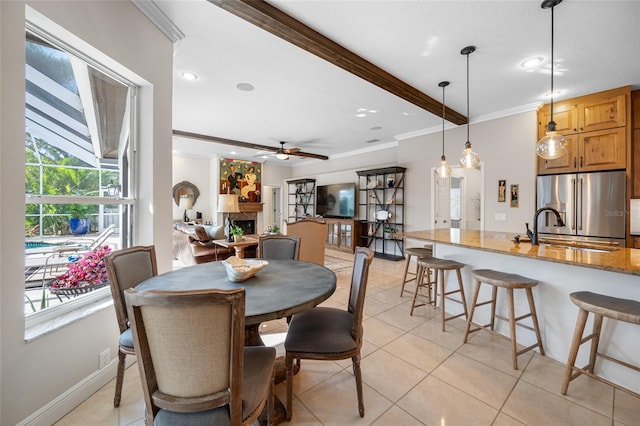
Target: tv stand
<point>342,234</point>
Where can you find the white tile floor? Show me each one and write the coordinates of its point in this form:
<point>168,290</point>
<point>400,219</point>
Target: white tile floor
<point>414,374</point>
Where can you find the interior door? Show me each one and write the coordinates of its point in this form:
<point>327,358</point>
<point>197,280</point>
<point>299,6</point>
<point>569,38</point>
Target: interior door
<point>442,202</point>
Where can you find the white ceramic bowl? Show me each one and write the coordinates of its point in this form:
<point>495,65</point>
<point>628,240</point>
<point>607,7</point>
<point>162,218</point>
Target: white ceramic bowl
<point>238,271</point>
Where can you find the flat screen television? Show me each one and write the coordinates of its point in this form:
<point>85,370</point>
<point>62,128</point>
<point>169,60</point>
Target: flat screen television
<point>337,200</point>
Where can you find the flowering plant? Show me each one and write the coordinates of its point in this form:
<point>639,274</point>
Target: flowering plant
<point>89,270</point>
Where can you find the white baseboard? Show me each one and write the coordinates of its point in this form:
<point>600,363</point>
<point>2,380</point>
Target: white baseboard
<point>74,396</point>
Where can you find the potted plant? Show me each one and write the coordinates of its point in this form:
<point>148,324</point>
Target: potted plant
<point>389,231</point>
<point>85,274</point>
<point>275,230</point>
<point>237,233</point>
<point>79,220</point>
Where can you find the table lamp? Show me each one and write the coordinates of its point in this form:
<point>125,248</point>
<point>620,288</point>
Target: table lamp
<point>228,203</point>
<point>185,204</point>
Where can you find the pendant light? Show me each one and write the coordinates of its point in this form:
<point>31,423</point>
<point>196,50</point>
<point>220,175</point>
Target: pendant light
<point>444,170</point>
<point>552,145</point>
<point>469,159</point>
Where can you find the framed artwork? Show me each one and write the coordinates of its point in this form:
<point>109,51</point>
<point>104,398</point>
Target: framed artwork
<point>241,177</point>
<point>502,191</point>
<point>514,195</point>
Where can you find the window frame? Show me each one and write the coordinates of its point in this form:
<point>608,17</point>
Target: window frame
<point>46,320</point>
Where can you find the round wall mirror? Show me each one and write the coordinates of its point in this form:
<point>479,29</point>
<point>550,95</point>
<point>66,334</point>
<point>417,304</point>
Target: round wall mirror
<point>185,188</point>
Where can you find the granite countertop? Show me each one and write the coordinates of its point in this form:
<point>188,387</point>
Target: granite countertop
<point>622,260</point>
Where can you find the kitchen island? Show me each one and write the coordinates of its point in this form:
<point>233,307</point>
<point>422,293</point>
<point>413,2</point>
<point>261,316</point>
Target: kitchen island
<point>560,270</point>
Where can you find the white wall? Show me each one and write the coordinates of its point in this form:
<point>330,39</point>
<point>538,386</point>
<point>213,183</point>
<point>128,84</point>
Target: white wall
<point>198,171</point>
<point>33,374</point>
<point>506,147</point>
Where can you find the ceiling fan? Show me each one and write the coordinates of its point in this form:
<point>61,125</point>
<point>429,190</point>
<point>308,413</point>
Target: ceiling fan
<point>281,150</point>
<point>283,154</point>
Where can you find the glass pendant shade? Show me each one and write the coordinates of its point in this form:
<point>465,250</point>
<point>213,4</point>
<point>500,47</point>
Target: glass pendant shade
<point>443,170</point>
<point>469,159</point>
<point>553,145</point>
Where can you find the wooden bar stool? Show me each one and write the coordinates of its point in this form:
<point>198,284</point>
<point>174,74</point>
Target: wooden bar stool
<point>439,266</point>
<point>418,252</point>
<point>601,306</point>
<point>510,282</point>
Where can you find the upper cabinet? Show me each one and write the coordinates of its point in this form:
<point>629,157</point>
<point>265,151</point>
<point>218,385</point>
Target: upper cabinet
<point>635,167</point>
<point>596,129</point>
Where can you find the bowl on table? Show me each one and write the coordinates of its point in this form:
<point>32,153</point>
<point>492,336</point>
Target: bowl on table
<point>239,270</point>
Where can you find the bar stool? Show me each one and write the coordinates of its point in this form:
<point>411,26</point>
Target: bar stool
<point>510,282</point>
<point>601,306</point>
<point>418,252</point>
<point>439,266</point>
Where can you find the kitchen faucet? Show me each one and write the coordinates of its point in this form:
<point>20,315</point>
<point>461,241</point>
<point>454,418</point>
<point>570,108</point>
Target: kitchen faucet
<point>534,235</point>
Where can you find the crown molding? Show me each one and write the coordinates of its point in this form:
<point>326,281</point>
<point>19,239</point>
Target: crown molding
<point>487,117</point>
<point>151,10</point>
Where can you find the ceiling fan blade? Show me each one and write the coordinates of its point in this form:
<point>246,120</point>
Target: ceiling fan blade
<point>291,150</point>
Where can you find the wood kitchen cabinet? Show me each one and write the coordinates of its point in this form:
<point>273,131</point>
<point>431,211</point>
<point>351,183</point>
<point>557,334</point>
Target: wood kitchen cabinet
<point>596,128</point>
<point>635,151</point>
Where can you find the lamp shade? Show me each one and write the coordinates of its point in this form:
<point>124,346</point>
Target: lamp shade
<point>228,203</point>
<point>186,202</point>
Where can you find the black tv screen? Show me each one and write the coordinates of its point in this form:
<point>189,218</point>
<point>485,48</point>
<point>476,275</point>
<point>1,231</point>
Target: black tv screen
<point>336,200</point>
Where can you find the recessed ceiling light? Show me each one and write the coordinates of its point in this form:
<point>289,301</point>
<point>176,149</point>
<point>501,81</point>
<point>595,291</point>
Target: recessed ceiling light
<point>373,111</point>
<point>376,128</point>
<point>361,110</point>
<point>555,94</point>
<point>233,153</point>
<point>189,76</point>
<point>531,62</point>
<point>361,115</point>
<point>245,87</point>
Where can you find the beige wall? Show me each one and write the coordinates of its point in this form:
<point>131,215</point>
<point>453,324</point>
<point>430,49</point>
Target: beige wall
<point>34,374</point>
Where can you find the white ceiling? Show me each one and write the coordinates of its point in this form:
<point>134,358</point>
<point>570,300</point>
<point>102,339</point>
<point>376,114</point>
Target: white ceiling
<point>311,104</point>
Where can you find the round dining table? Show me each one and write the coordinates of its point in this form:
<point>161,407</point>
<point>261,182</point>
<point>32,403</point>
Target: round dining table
<point>281,289</point>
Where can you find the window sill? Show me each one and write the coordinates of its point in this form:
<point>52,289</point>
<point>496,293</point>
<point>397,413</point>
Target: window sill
<point>52,319</point>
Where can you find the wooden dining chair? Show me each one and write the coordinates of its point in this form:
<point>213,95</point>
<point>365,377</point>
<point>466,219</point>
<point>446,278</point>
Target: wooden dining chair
<point>313,238</point>
<point>325,333</point>
<point>127,268</point>
<point>278,247</point>
<point>193,364</point>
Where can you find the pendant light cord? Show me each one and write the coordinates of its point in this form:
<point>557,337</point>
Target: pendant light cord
<point>443,113</point>
<point>468,119</point>
<point>551,104</point>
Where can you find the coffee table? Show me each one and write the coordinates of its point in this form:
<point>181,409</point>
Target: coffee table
<point>247,241</point>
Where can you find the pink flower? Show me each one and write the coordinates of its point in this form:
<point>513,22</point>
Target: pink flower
<point>89,270</point>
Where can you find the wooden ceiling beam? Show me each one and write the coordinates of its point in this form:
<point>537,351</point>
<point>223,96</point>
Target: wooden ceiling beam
<point>277,22</point>
<point>242,144</point>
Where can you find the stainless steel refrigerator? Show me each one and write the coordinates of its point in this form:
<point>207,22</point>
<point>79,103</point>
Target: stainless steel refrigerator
<point>592,206</point>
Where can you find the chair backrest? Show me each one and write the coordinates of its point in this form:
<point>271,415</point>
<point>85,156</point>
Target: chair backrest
<point>100,239</point>
<point>127,268</point>
<point>313,237</point>
<point>278,247</point>
<point>359,278</point>
<point>189,346</point>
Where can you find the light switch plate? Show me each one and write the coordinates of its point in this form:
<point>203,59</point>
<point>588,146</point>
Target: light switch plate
<point>500,217</point>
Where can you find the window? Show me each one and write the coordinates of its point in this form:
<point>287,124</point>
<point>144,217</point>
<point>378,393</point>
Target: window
<point>79,164</point>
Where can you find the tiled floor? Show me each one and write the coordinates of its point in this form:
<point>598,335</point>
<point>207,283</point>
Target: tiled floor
<point>414,374</point>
